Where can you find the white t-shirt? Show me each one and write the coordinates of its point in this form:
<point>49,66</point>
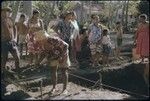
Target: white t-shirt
<point>75,32</point>
<point>106,40</point>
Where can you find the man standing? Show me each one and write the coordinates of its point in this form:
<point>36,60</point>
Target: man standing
<point>8,38</point>
<point>64,29</point>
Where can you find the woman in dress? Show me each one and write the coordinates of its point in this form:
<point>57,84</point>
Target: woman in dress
<point>142,37</point>
<point>75,38</point>
<point>35,24</point>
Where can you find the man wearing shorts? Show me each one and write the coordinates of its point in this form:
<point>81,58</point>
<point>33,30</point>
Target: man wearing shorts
<point>8,38</point>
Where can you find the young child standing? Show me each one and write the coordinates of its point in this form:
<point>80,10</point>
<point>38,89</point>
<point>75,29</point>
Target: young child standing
<point>22,32</point>
<point>94,38</point>
<point>106,44</point>
<point>119,34</point>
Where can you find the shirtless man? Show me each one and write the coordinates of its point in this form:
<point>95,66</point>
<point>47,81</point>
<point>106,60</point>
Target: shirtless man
<point>22,31</point>
<point>8,38</point>
<point>55,50</point>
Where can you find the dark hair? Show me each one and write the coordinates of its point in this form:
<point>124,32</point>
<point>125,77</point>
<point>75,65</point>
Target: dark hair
<point>35,11</point>
<point>83,30</point>
<point>73,13</point>
<point>143,16</point>
<point>61,16</point>
<point>22,15</point>
<point>92,16</point>
<point>67,13</point>
<point>105,31</point>
<point>118,22</point>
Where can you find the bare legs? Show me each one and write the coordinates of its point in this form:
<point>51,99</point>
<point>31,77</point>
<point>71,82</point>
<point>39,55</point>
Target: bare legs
<point>54,78</point>
<point>105,59</point>
<point>65,78</point>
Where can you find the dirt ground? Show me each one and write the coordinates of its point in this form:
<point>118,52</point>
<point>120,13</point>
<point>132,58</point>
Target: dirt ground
<point>74,91</point>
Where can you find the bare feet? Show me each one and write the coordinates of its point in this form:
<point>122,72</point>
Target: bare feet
<point>65,92</point>
<point>53,91</point>
<point>121,58</point>
<point>108,65</point>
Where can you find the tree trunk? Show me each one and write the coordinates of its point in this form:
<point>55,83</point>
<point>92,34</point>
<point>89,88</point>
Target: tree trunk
<point>109,23</point>
<point>126,19</point>
<point>49,16</point>
<point>81,12</point>
<point>15,8</point>
<point>27,8</point>
<point>123,10</point>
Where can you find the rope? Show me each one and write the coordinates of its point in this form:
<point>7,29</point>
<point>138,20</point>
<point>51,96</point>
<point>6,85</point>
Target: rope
<point>118,89</point>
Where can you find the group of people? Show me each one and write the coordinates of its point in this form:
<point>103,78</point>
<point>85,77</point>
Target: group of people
<point>65,47</point>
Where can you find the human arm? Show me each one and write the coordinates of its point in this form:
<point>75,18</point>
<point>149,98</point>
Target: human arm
<point>15,33</point>
<point>57,28</point>
<point>64,53</point>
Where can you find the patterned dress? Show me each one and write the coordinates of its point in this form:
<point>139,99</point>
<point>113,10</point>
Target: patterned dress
<point>32,45</point>
<point>143,40</point>
<point>56,51</point>
<point>94,37</point>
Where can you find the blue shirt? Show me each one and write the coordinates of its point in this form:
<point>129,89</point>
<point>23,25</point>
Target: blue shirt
<point>95,33</point>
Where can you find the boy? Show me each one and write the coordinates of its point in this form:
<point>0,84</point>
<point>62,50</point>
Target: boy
<point>22,31</point>
<point>106,43</point>
<point>8,38</point>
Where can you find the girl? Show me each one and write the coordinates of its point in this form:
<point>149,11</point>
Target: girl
<point>22,32</point>
<point>34,24</point>
<point>106,44</point>
<point>142,38</point>
<point>75,38</point>
<point>94,38</point>
<point>119,33</point>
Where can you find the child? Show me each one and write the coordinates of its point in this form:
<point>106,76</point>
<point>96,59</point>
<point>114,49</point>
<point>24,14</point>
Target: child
<point>106,44</point>
<point>22,31</point>
<point>94,38</point>
<point>119,33</point>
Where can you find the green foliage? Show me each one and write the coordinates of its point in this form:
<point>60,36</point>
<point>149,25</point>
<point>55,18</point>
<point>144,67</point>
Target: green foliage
<point>133,7</point>
<point>143,7</point>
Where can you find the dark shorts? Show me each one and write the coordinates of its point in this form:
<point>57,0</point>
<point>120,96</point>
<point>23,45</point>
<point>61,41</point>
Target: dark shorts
<point>119,42</point>
<point>7,46</point>
<point>106,49</point>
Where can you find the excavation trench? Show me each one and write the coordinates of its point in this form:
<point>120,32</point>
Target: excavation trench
<point>127,77</point>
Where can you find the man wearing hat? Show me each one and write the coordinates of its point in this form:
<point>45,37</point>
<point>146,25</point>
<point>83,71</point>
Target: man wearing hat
<point>8,37</point>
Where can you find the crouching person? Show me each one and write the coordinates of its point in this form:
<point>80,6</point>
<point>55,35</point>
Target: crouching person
<point>56,52</point>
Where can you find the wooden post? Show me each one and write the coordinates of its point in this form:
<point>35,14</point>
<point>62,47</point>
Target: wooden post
<point>41,86</point>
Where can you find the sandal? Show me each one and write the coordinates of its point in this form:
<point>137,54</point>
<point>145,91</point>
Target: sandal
<point>121,58</point>
<point>137,61</point>
<point>145,61</point>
